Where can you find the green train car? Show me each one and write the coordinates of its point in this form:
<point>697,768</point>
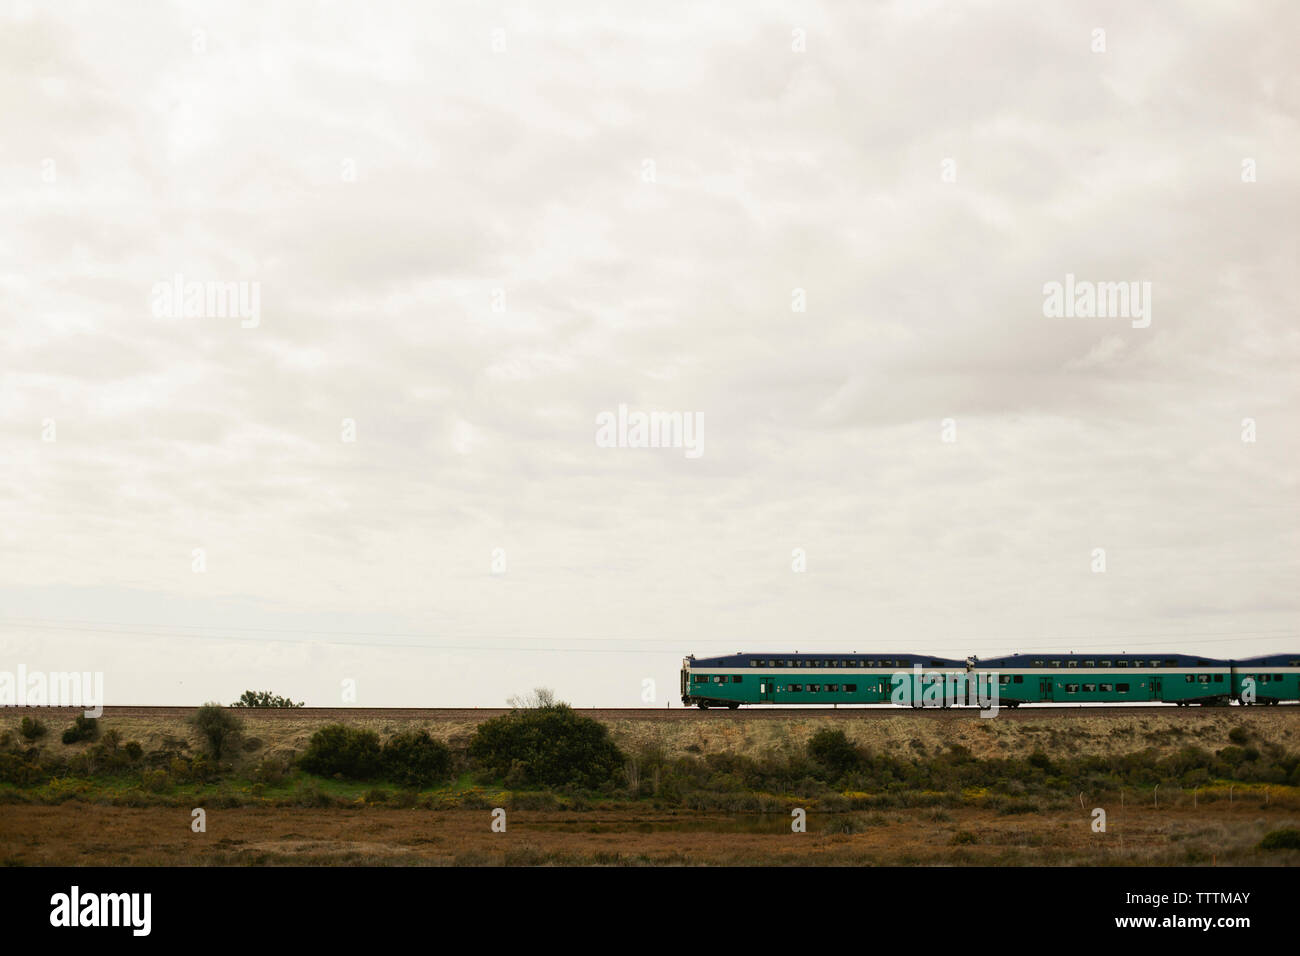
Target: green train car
<point>918,681</point>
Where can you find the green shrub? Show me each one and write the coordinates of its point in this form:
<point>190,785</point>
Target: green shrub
<point>271,770</point>
<point>31,729</point>
<point>19,770</point>
<point>1287,838</point>
<point>831,749</point>
<point>220,728</point>
<point>339,749</point>
<point>310,795</point>
<point>416,760</point>
<point>83,728</point>
<point>551,746</point>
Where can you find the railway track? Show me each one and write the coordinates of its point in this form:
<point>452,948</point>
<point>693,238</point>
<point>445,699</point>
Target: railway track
<point>1027,712</point>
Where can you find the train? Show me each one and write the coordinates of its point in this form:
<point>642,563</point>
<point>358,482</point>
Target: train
<point>771,678</point>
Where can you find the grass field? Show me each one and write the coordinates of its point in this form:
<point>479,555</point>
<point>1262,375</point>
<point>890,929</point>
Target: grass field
<point>702,812</point>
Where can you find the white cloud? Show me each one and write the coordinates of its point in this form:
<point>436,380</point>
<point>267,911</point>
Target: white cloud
<point>382,176</point>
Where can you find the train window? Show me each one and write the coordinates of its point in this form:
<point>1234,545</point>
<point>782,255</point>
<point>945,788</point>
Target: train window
<point>850,688</point>
<point>1089,663</point>
<point>833,688</point>
<point>736,678</point>
<point>1020,679</point>
<point>701,679</point>
<point>1263,678</point>
<point>1155,663</point>
<point>1122,688</point>
<point>1105,663</point>
<point>1218,678</point>
<point>1071,688</point>
<point>814,688</point>
<point>1107,688</point>
<point>1121,663</point>
<point>1277,677</point>
<point>1189,678</point>
<point>1038,663</point>
<point>1004,678</point>
<point>1204,678</point>
<point>718,678</point>
<point>1090,688</point>
<point>1072,664</point>
<point>1169,662</point>
<point>797,688</point>
<point>1056,663</point>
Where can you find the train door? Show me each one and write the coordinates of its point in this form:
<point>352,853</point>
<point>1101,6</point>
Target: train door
<point>1155,689</point>
<point>1045,688</point>
<point>767,689</point>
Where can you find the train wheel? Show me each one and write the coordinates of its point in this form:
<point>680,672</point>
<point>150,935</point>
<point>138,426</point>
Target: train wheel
<point>734,705</point>
<point>702,705</point>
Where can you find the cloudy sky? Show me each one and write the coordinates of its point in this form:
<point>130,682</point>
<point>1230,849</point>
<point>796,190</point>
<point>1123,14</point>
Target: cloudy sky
<point>822,229</point>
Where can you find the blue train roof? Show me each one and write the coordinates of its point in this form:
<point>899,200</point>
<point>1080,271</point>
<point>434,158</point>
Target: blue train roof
<point>1044,659</point>
<point>747,659</point>
<point>1047,657</point>
<point>1271,660</point>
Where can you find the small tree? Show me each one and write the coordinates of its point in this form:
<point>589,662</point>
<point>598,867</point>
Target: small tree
<point>219,727</point>
<point>263,698</point>
<point>540,697</point>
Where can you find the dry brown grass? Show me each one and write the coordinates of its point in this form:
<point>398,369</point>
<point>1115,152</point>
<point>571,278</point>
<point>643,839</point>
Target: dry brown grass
<point>87,834</point>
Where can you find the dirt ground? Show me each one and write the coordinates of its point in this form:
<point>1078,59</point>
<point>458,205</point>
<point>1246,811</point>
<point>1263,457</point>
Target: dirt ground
<point>91,834</point>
